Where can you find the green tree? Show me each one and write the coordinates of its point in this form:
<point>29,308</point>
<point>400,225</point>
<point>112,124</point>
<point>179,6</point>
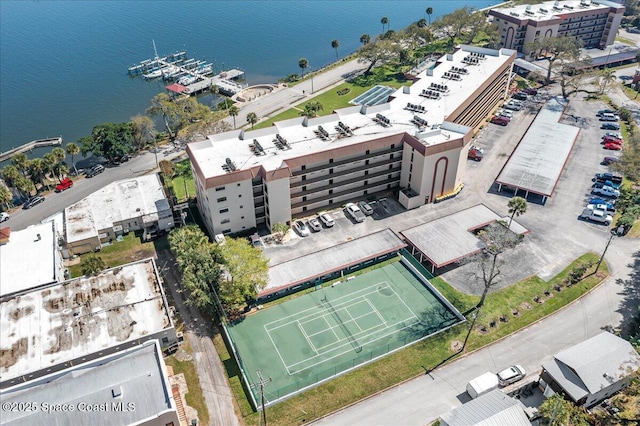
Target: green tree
<point>92,264</point>
<point>9,174</point>
<point>252,118</point>
<point>303,63</point>
<point>453,25</point>
<point>144,131</point>
<point>163,106</point>
<point>233,111</point>
<point>25,186</point>
<point>384,21</point>
<point>606,77</point>
<point>36,171</point>
<point>73,150</point>
<point>517,206</point>
<point>59,153</point>
<point>21,162</point>
<point>557,411</point>
<point>248,273</point>
<point>365,39</point>
<point>429,13</point>
<point>5,196</point>
<point>335,44</point>
<point>183,169</point>
<point>279,231</point>
<point>61,170</point>
<point>380,52</point>
<point>555,49</point>
<point>167,168</point>
<point>109,140</point>
<point>50,163</point>
<point>311,109</point>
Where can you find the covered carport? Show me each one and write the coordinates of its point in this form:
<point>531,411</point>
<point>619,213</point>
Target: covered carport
<point>450,239</point>
<point>537,162</point>
<point>330,263</point>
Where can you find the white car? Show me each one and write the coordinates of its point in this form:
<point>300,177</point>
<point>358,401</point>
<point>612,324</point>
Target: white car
<point>596,215</point>
<point>355,212</point>
<point>504,113</point>
<point>314,224</point>
<point>615,135</point>
<point>326,220</point>
<point>511,375</point>
<point>301,228</point>
<point>606,191</point>
<point>4,216</point>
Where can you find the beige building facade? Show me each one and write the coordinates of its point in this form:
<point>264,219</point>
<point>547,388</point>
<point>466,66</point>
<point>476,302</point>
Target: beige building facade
<point>415,145</point>
<point>595,23</point>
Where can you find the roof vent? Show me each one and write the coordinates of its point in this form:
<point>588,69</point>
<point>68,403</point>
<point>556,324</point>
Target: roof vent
<point>229,166</point>
<point>116,392</point>
<point>256,148</point>
<point>281,143</point>
<point>382,120</point>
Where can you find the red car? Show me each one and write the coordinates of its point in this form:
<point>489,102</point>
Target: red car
<point>613,146</point>
<point>64,185</point>
<point>610,139</point>
<point>498,119</point>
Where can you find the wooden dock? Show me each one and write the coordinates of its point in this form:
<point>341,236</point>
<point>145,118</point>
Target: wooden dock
<point>39,143</point>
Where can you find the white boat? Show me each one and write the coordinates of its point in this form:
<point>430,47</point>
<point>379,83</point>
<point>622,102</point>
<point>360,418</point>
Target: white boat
<point>187,80</point>
<point>153,74</point>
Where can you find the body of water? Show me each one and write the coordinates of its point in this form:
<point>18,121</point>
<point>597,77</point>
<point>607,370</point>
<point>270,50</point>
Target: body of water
<point>64,64</point>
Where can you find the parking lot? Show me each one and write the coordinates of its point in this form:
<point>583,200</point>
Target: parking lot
<point>557,235</point>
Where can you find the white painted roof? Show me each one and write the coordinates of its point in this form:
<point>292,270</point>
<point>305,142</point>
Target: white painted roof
<point>550,10</point>
<point>137,198</point>
<point>538,160</point>
<point>65,321</point>
<point>28,261</point>
<point>210,155</point>
<point>137,374</point>
<point>491,409</point>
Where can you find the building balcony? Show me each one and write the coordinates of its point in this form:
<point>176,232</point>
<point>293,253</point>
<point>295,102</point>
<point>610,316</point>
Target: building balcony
<point>393,182</point>
<point>337,185</point>
<point>340,173</point>
<point>347,161</point>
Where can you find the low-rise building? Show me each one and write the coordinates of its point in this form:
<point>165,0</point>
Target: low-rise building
<point>415,144</point>
<point>591,371</point>
<point>137,204</point>
<point>30,258</point>
<point>55,327</point>
<point>492,408</point>
<point>595,23</point>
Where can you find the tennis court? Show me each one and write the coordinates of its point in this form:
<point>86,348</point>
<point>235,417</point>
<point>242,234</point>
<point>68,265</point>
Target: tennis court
<point>334,329</point>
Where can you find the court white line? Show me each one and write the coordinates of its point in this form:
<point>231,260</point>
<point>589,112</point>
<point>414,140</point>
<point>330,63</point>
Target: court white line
<point>354,321</point>
<point>276,347</point>
<point>376,311</point>
<point>307,337</point>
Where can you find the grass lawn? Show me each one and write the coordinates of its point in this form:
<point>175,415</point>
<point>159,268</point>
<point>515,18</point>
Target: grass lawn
<point>331,100</point>
<point>128,250</point>
<point>194,397</point>
<point>178,188</point>
<point>406,364</point>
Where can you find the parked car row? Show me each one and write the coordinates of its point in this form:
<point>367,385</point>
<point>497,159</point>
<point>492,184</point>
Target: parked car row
<point>304,229</point>
<point>612,141</point>
<point>503,116</point>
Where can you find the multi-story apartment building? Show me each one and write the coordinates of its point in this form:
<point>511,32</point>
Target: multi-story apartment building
<point>595,22</point>
<point>416,143</point>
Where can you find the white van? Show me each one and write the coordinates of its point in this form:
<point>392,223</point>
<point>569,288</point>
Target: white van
<point>607,116</point>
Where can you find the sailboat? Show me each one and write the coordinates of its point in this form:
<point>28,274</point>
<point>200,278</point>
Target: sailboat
<point>156,72</point>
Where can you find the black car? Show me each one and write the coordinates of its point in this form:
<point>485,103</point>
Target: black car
<point>521,96</point>
<point>610,126</point>
<point>95,170</point>
<point>531,92</point>
<point>33,201</point>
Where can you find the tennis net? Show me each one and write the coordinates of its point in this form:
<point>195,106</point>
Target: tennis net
<point>342,325</point>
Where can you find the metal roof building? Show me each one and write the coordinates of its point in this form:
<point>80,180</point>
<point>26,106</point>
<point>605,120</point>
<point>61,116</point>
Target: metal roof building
<point>537,162</point>
<point>126,388</point>
<point>331,262</point>
<point>491,409</point>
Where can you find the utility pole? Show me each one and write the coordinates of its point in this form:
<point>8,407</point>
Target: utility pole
<point>262,382</point>
<point>618,231</point>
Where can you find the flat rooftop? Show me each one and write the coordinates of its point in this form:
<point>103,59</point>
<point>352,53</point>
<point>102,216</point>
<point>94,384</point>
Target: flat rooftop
<point>323,262</point>
<point>139,198</point>
<point>300,133</point>
<point>448,239</point>
<point>136,375</point>
<point>18,270</point>
<point>548,11</point>
<point>538,160</point>
<point>82,316</point>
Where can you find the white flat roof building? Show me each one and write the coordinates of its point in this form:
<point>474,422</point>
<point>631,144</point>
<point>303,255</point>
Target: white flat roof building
<point>120,207</point>
<point>30,259</point>
<point>594,22</point>
<point>415,141</point>
<point>51,328</point>
<point>129,387</point>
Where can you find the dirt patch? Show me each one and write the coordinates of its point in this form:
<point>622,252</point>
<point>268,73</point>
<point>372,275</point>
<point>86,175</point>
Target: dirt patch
<point>21,312</point>
<point>455,346</point>
<point>9,357</point>
<point>525,305</point>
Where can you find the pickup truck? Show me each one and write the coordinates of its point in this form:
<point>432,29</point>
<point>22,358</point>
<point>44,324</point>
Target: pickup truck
<point>64,185</point>
<point>603,177</point>
<point>596,215</point>
<point>354,212</point>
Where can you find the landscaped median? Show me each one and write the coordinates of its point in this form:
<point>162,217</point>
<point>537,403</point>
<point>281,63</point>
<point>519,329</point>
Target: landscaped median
<point>504,312</point>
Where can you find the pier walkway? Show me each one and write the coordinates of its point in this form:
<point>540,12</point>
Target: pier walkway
<point>39,143</point>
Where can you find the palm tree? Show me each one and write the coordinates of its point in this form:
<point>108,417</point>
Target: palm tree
<point>429,12</point>
<point>9,175</point>
<point>365,39</point>
<point>92,264</point>
<point>25,186</point>
<point>59,153</point>
<point>36,170</point>
<point>607,77</point>
<point>61,170</point>
<point>5,196</point>
<point>303,63</point>
<point>20,161</point>
<point>72,150</point>
<point>384,21</point>
<point>335,44</point>
<point>252,118</point>
<point>50,162</point>
<point>517,206</point>
<point>233,111</point>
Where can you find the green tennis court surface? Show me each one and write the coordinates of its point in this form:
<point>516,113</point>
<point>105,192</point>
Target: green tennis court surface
<point>319,335</point>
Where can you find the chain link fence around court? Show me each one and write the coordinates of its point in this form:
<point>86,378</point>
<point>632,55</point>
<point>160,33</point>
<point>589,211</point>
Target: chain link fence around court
<point>440,316</point>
